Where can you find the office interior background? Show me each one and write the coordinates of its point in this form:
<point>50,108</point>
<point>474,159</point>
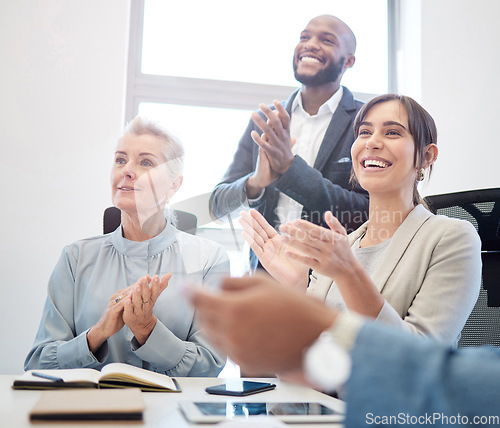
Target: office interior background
<point>63,85</point>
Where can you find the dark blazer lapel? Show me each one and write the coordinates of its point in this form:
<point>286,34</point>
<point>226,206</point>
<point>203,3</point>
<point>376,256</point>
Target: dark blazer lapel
<point>399,242</point>
<point>341,120</point>
<point>289,102</point>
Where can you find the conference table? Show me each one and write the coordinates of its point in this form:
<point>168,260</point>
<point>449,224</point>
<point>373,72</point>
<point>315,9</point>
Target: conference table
<point>161,408</point>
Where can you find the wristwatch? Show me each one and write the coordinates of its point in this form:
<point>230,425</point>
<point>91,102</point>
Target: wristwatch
<point>326,363</point>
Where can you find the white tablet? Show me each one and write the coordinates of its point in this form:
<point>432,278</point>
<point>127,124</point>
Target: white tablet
<point>289,412</point>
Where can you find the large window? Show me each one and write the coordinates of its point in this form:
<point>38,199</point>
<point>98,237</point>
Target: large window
<point>222,40</point>
<point>200,67</point>
<point>209,135</point>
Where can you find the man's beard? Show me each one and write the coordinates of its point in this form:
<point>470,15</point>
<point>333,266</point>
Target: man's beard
<point>327,75</point>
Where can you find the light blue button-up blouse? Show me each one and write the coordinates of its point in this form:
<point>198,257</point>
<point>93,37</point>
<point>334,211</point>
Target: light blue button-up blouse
<point>90,271</point>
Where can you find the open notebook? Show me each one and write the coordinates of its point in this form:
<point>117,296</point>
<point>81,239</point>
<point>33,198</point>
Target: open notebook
<point>114,375</point>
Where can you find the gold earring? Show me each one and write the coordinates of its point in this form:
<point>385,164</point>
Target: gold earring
<point>420,174</point>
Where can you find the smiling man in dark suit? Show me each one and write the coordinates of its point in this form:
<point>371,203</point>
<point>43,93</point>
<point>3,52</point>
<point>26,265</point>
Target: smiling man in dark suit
<point>294,159</point>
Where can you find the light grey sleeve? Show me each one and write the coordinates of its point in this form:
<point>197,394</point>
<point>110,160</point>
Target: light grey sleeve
<point>56,344</point>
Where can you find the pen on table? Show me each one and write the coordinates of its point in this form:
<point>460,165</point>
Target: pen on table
<point>49,377</point>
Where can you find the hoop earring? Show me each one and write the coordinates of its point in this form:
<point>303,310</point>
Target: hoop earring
<point>420,174</point>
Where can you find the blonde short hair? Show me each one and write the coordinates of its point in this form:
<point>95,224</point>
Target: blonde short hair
<point>174,150</point>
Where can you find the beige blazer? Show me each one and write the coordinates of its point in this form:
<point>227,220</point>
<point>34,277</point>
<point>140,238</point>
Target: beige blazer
<point>429,276</point>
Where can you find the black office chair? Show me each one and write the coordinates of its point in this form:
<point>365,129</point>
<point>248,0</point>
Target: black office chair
<point>482,209</point>
<point>186,222</point>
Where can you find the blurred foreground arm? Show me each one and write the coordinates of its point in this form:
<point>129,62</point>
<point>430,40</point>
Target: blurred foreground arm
<point>261,325</point>
<point>396,374</point>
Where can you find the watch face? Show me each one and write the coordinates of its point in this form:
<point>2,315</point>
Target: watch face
<point>327,364</point>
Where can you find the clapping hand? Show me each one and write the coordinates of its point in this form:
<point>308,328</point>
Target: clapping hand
<point>325,250</point>
<point>132,306</point>
<point>261,325</point>
<point>267,244</point>
<point>262,177</point>
<point>275,141</point>
<point>138,307</point>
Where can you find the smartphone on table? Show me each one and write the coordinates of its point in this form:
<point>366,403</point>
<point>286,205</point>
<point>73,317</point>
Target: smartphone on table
<point>240,388</point>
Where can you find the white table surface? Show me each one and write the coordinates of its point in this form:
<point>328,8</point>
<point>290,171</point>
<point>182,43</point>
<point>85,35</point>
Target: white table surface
<point>161,408</point>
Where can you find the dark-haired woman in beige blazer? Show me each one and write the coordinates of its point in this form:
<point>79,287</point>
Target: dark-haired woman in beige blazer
<point>404,266</point>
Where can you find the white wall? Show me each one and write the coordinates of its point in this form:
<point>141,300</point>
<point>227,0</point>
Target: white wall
<point>460,87</point>
<point>62,80</point>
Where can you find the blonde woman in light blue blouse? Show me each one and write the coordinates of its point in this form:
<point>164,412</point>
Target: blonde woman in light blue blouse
<point>117,297</point>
